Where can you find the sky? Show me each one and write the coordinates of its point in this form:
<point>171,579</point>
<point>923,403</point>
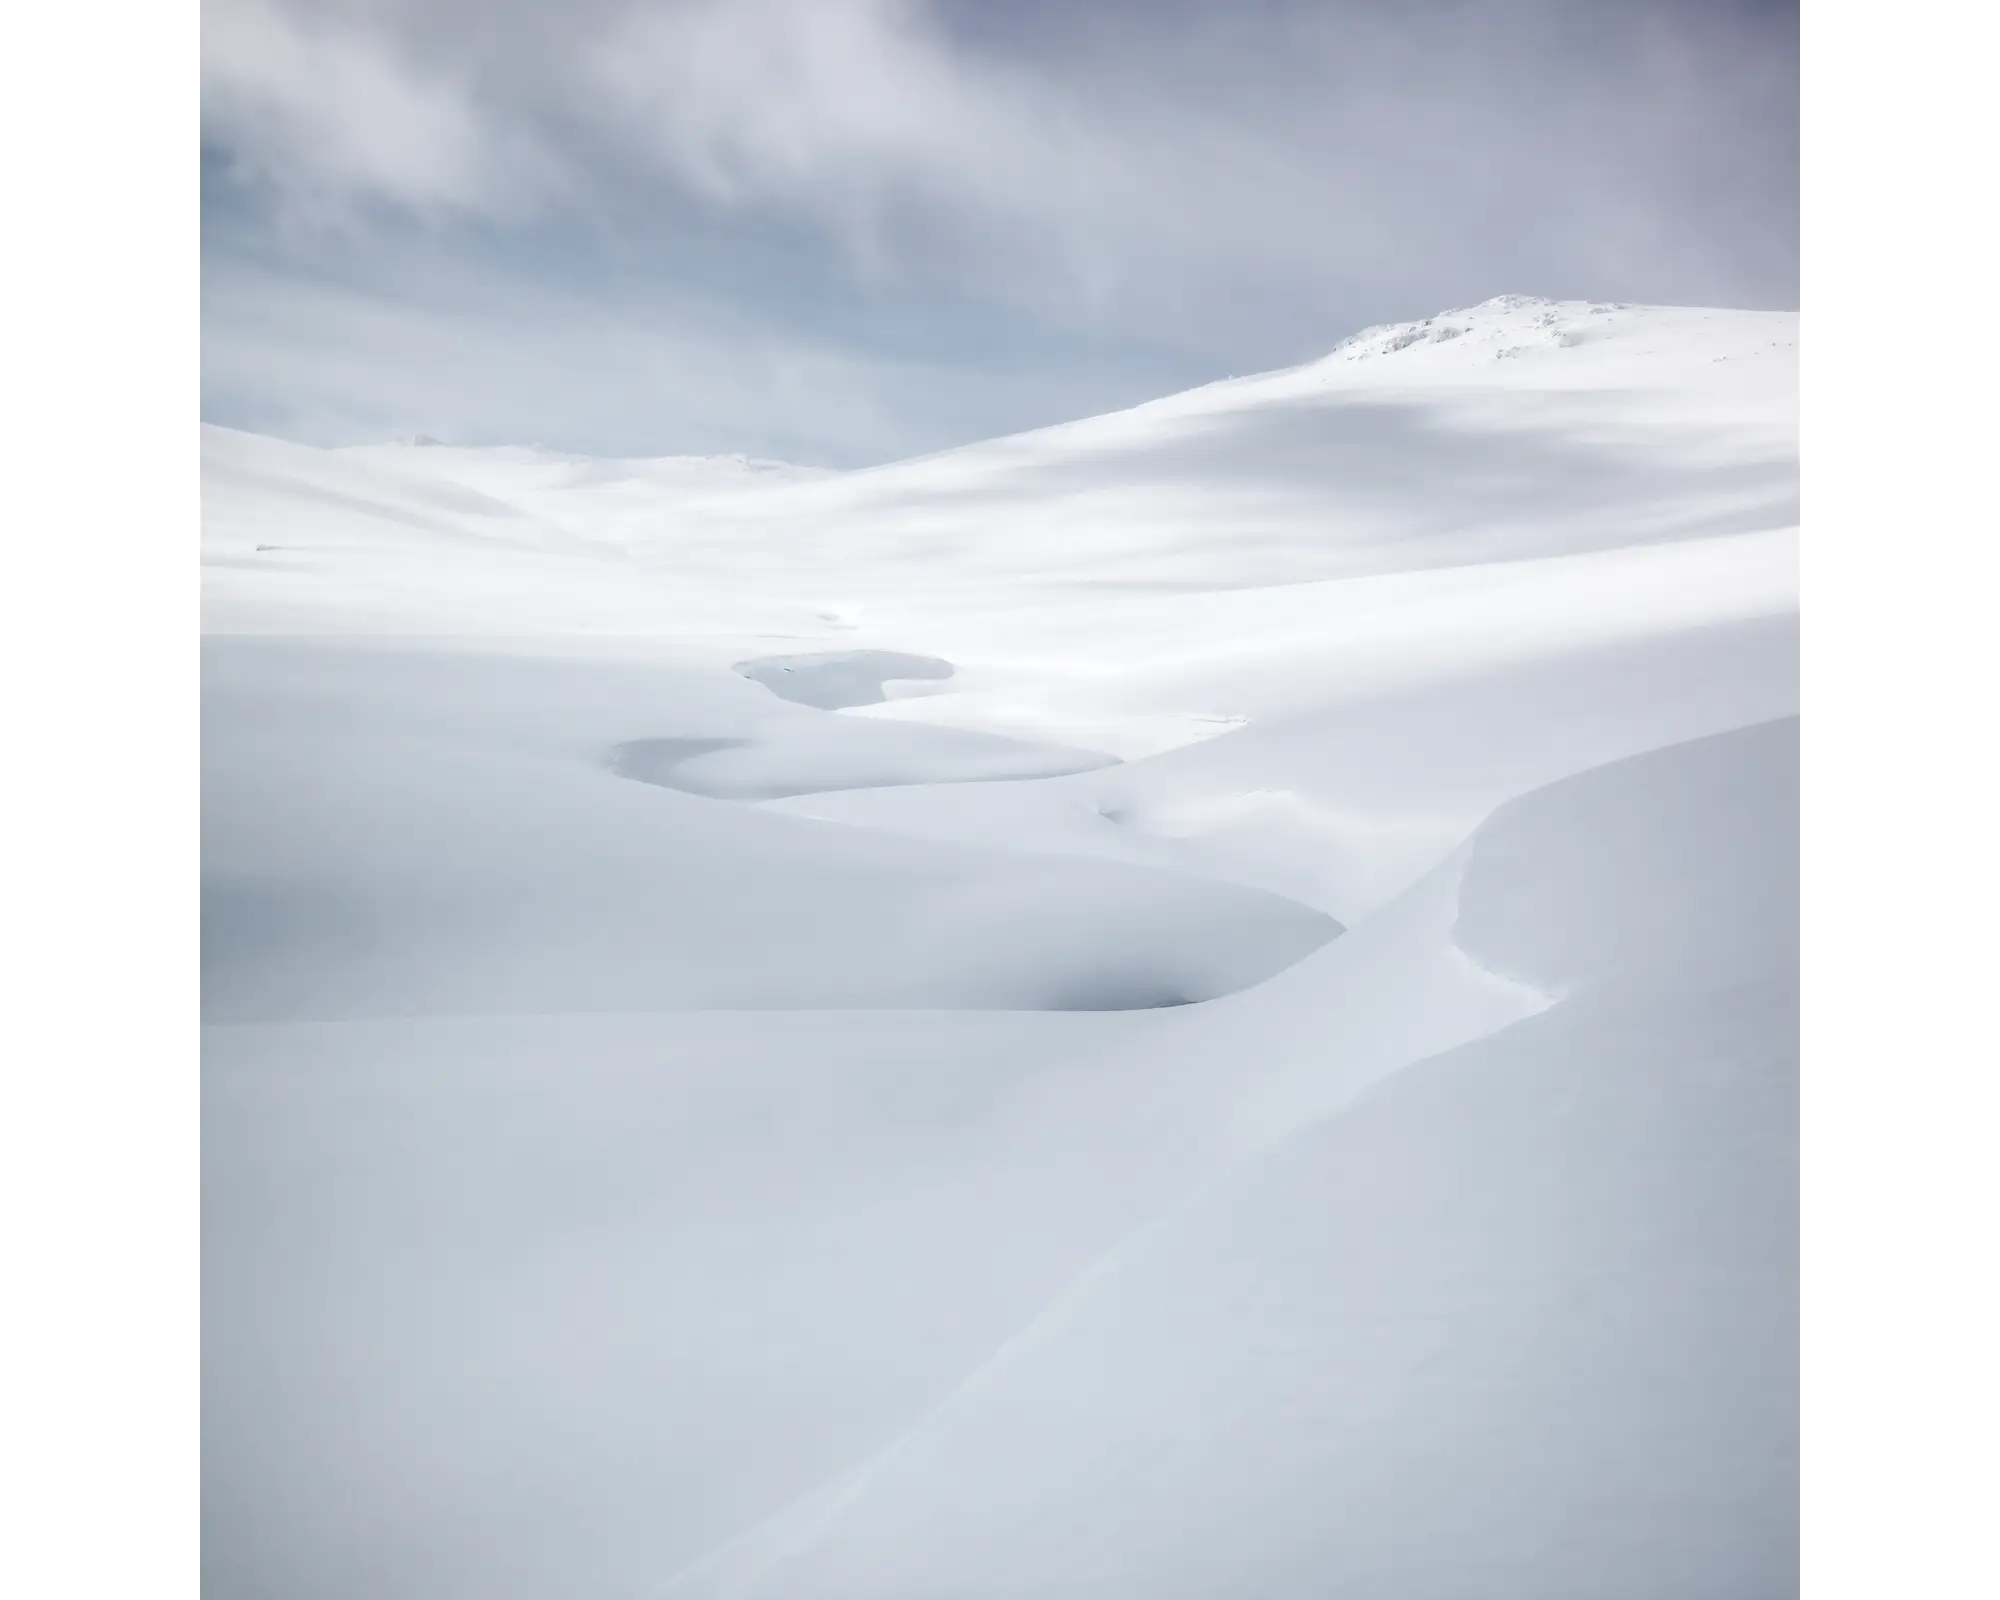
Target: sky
<point>849,231</point>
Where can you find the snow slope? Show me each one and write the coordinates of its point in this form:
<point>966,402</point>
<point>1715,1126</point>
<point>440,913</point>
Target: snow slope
<point>1199,1002</point>
<point>1518,1322</point>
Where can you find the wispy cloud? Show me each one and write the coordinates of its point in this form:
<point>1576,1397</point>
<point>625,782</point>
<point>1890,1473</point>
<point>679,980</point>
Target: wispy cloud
<point>322,112</point>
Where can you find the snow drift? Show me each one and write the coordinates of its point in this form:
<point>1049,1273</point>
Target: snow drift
<point>1196,1003</point>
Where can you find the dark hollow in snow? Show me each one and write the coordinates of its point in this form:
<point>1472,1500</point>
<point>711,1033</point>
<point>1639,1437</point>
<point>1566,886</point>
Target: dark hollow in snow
<point>834,679</point>
<point>656,760</point>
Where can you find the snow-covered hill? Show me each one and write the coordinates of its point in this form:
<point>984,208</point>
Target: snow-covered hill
<point>1198,1002</point>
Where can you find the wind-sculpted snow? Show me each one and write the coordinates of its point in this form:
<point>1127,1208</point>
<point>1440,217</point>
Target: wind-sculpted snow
<point>835,679</point>
<point>812,759</point>
<point>1197,1003</point>
<point>1521,1322</point>
<point>401,833</point>
<point>1703,835</point>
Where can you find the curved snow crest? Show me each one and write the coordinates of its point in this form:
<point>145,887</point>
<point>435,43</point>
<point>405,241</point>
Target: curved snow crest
<point>1440,996</point>
<point>1676,867</point>
<point>1271,1108</point>
<point>1215,1347</point>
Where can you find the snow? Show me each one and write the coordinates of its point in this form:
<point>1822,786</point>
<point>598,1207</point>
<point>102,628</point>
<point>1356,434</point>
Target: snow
<point>1199,1002</point>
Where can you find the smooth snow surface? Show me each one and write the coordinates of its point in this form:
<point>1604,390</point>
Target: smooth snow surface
<point>1194,1004</point>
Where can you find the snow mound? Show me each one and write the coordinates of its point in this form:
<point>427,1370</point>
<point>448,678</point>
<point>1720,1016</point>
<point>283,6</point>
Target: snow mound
<point>1519,1322</point>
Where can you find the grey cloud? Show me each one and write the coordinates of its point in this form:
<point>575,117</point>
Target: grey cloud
<point>320,113</point>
